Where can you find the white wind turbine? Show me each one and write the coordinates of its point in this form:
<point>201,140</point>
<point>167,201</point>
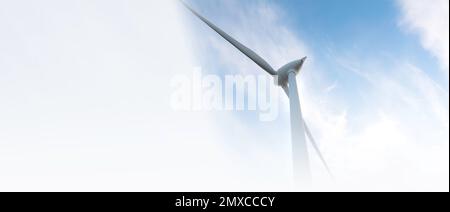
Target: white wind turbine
<point>285,77</point>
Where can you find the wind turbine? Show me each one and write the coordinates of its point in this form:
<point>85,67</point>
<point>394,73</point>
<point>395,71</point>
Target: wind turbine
<point>285,77</point>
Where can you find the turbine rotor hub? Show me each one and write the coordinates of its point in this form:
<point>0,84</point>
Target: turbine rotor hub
<point>283,73</point>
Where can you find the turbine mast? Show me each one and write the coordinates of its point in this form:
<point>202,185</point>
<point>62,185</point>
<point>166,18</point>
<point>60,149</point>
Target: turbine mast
<point>302,173</point>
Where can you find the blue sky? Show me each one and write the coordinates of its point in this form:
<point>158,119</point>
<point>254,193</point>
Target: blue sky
<point>370,28</point>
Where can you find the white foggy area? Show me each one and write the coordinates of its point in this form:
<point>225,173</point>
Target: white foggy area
<point>84,100</point>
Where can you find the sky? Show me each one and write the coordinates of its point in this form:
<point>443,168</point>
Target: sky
<point>85,87</point>
<point>375,88</point>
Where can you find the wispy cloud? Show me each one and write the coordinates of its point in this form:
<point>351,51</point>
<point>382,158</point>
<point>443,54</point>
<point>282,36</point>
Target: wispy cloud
<point>430,20</point>
<point>400,141</point>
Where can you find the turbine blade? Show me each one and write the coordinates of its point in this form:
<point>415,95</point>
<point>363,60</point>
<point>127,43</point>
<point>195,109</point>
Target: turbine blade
<point>316,147</point>
<point>246,51</point>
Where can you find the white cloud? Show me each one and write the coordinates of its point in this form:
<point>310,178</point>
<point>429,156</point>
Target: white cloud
<point>430,19</point>
<point>400,142</point>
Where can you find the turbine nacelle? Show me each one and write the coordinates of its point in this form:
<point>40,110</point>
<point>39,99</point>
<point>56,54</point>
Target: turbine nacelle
<point>283,72</point>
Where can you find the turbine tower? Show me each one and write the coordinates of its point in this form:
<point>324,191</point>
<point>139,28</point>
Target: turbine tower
<point>286,78</point>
